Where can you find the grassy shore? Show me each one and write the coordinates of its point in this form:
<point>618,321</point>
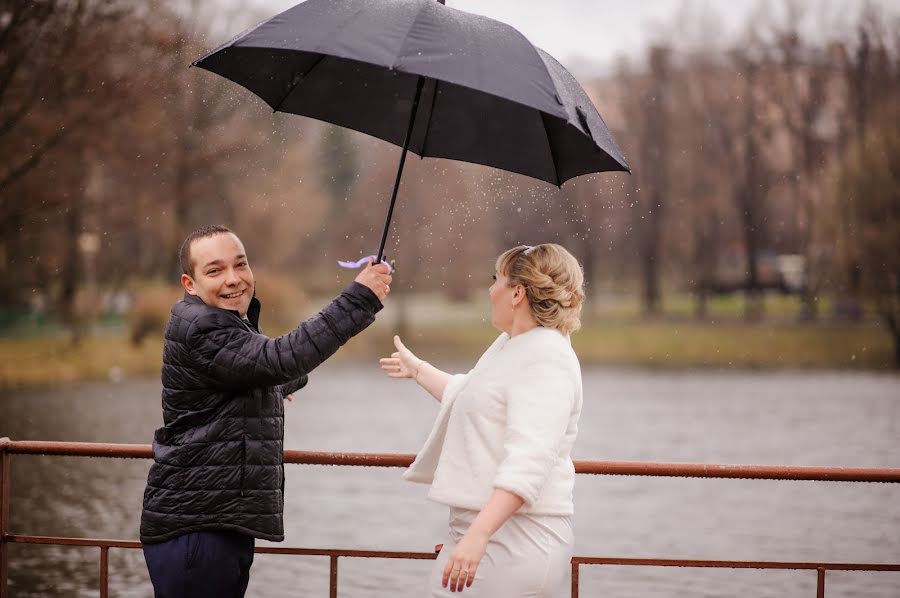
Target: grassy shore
<point>680,345</point>
<point>54,360</point>
<point>663,343</point>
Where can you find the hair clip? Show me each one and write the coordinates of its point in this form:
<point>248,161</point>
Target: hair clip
<point>530,249</point>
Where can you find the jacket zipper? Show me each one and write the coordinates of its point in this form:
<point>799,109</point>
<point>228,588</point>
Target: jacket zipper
<point>244,431</point>
<point>243,459</point>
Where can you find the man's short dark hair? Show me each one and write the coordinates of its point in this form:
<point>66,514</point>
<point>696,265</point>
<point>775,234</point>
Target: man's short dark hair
<point>209,230</point>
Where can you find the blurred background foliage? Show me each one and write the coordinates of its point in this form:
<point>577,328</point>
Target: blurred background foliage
<point>761,226</point>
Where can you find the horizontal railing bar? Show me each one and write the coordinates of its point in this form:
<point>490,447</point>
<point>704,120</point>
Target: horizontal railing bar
<point>63,541</point>
<point>106,543</point>
<point>755,472</point>
<point>368,554</point>
<point>384,554</point>
<point>647,562</point>
<point>629,468</point>
<point>348,459</point>
<point>76,449</point>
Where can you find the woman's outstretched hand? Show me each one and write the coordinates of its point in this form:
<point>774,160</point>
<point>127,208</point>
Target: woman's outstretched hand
<point>402,363</point>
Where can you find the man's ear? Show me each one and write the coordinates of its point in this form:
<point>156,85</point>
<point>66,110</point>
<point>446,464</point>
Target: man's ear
<point>188,283</point>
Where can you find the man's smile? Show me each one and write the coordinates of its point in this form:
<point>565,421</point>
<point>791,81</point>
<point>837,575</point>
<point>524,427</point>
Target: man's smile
<point>233,295</point>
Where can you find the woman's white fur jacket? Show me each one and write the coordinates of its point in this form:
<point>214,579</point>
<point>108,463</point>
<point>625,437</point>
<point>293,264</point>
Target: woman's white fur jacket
<point>509,423</point>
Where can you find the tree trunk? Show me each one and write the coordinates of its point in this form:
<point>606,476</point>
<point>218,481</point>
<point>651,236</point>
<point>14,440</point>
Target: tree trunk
<point>181,210</point>
<point>650,262</point>
<point>749,197</point>
<point>896,334</point>
<point>752,308</point>
<point>702,251</point>
<point>13,259</point>
<point>71,271</point>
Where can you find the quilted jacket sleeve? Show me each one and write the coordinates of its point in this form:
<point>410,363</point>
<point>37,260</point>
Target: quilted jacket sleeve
<point>234,357</point>
<point>294,385</point>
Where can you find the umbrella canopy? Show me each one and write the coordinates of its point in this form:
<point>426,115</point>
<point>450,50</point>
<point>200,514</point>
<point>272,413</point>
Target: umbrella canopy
<point>436,80</point>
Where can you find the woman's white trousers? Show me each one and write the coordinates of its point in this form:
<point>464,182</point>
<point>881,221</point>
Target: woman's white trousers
<point>528,557</point>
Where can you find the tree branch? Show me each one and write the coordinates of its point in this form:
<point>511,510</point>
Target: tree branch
<point>26,165</point>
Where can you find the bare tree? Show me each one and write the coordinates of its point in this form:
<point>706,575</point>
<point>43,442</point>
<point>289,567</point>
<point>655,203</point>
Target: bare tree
<point>865,70</point>
<point>703,102</point>
<point>60,89</point>
<point>743,135</point>
<point>804,92</point>
<point>869,189</point>
<point>647,112</point>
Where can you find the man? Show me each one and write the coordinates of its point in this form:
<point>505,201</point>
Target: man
<point>217,480</point>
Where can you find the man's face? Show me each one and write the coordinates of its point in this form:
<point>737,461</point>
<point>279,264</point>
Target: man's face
<point>222,275</point>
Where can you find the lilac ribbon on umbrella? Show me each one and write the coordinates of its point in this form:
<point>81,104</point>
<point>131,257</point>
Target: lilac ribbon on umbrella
<point>364,261</point>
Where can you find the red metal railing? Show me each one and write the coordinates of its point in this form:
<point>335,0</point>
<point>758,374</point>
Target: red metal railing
<point>698,470</point>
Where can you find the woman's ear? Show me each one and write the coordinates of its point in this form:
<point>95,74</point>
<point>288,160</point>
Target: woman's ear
<point>518,295</point>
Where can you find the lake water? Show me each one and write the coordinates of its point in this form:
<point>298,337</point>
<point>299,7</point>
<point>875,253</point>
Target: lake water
<point>820,418</point>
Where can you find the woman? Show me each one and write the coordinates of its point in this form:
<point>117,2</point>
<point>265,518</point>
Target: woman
<point>499,454</point>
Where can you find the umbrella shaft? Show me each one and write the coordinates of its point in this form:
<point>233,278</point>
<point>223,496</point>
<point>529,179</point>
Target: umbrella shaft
<point>409,130</point>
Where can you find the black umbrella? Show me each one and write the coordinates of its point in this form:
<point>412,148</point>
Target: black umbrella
<point>435,80</point>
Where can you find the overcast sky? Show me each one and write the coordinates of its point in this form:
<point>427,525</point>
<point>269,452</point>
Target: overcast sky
<point>584,32</point>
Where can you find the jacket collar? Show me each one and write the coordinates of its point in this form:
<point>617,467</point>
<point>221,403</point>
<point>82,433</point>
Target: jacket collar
<point>252,311</point>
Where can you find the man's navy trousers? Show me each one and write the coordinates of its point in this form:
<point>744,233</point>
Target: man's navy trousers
<point>201,565</point>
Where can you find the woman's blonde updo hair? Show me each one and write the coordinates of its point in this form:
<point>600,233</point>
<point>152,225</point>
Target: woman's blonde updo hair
<point>553,281</point>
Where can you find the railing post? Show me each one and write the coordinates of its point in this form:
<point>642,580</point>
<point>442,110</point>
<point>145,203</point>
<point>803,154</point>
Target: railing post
<point>820,582</point>
<point>332,592</point>
<point>104,572</point>
<point>4,517</point>
<point>575,577</point>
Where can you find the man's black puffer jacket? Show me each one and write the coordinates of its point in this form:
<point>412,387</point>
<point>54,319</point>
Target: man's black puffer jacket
<point>219,458</point>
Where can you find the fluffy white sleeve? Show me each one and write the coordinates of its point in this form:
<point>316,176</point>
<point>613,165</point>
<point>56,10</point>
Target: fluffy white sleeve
<point>539,404</point>
<point>454,385</point>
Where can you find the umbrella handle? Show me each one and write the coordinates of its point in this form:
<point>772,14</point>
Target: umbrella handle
<point>412,121</point>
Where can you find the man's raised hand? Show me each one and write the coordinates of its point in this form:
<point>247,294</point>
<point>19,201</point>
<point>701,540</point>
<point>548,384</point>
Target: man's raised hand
<point>377,278</point>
